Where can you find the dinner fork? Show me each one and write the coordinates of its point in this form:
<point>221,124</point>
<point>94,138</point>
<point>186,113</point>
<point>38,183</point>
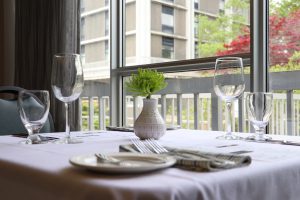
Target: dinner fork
<point>141,147</point>
<point>156,146</point>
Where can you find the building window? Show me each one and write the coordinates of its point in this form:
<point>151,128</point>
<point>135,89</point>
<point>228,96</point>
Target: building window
<point>196,53</point>
<point>196,26</point>
<point>167,19</point>
<point>196,4</point>
<point>82,24</point>
<point>168,47</point>
<point>106,23</point>
<point>106,2</point>
<point>82,53</point>
<point>82,6</point>
<point>106,50</point>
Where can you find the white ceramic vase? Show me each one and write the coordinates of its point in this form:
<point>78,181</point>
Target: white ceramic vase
<point>149,123</point>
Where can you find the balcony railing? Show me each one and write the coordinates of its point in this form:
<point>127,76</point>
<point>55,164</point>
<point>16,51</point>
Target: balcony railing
<point>195,106</point>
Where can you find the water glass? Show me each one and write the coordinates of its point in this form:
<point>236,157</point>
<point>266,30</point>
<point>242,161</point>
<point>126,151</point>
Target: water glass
<point>67,84</point>
<point>229,84</point>
<point>34,109</point>
<point>259,106</point>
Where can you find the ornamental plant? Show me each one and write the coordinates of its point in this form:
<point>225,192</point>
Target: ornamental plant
<point>145,83</point>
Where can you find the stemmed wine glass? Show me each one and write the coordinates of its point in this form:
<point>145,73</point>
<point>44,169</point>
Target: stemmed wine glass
<point>259,106</point>
<point>34,109</point>
<point>67,84</point>
<point>229,84</point>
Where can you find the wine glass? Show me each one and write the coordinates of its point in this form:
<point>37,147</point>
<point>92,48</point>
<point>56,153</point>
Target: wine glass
<point>67,84</point>
<point>229,84</point>
<point>259,106</point>
<point>34,109</point>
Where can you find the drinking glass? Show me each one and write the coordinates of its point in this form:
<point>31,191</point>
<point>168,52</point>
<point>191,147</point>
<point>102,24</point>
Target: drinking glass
<point>259,106</point>
<point>67,84</point>
<point>34,109</point>
<point>229,84</point>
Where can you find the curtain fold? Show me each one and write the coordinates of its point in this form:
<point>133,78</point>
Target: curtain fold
<point>43,28</point>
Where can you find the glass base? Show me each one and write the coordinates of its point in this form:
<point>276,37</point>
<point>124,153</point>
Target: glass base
<point>229,137</point>
<point>259,137</point>
<point>32,139</point>
<point>68,140</point>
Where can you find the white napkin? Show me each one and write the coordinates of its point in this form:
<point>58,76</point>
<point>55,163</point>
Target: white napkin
<point>199,160</point>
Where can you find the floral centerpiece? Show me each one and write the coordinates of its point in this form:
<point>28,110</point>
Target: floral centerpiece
<point>145,83</point>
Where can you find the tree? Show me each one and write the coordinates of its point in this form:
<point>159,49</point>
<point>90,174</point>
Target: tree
<point>284,7</point>
<point>215,32</point>
<point>284,39</point>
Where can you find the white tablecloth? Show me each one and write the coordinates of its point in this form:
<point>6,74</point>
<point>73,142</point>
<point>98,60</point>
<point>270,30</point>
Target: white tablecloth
<point>44,172</point>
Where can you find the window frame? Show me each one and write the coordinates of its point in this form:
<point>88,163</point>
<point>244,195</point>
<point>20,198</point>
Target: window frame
<point>256,58</point>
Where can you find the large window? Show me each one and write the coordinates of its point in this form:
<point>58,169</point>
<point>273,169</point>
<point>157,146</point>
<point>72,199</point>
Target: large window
<point>168,36</point>
<point>95,24</point>
<point>284,60</point>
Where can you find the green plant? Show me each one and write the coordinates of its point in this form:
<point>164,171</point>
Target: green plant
<point>145,83</point>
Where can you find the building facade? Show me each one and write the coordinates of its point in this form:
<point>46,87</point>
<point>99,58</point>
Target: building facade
<point>156,31</point>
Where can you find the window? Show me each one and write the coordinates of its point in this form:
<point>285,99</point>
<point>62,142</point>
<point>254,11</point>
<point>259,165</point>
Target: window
<point>167,19</point>
<point>196,26</point>
<point>106,23</point>
<point>196,4</point>
<point>82,53</point>
<point>82,6</point>
<point>82,30</point>
<point>158,34</point>
<point>95,23</point>
<point>167,47</point>
<point>284,66</point>
<point>106,50</point>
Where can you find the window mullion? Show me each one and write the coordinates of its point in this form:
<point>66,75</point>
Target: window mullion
<point>117,58</point>
<point>259,46</point>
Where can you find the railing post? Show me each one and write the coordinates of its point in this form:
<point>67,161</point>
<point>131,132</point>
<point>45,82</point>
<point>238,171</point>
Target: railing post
<point>216,113</point>
<point>290,112</point>
<point>101,113</point>
<point>196,110</point>
<point>163,106</point>
<point>80,112</point>
<point>135,108</point>
<point>179,109</point>
<point>91,113</point>
<point>241,113</point>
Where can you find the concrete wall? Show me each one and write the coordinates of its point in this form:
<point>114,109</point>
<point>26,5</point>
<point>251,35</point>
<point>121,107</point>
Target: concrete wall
<point>130,17</point>
<point>209,6</point>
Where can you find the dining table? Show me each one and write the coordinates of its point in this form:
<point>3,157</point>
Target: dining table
<point>44,171</point>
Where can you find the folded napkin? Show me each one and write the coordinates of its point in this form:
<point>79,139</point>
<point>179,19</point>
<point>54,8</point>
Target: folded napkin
<point>199,160</point>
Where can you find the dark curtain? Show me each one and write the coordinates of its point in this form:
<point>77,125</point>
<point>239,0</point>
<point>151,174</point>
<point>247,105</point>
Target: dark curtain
<point>43,28</point>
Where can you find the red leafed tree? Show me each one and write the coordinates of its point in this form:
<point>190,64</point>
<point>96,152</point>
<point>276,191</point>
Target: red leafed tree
<point>284,39</point>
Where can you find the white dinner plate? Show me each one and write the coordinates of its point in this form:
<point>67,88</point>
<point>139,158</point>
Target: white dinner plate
<point>130,162</point>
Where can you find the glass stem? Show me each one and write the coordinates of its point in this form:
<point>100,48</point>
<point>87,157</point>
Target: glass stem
<point>229,117</point>
<point>67,121</point>
<point>260,132</point>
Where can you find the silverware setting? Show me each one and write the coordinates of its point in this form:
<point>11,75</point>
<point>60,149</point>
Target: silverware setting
<point>148,146</point>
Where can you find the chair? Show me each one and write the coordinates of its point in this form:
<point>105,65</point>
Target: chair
<point>10,121</point>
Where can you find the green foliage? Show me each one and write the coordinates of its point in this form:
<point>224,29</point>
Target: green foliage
<point>284,7</point>
<point>146,82</point>
<point>214,33</point>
